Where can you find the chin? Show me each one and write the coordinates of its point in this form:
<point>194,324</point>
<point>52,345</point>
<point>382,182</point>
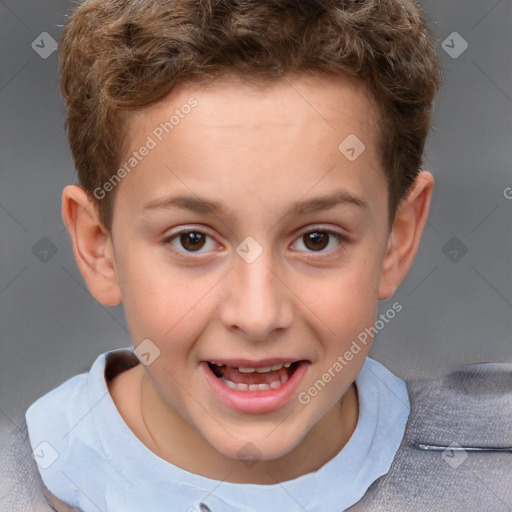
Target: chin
<point>261,446</point>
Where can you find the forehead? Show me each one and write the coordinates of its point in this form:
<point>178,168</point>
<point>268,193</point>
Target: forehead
<point>294,135</point>
<point>231,101</point>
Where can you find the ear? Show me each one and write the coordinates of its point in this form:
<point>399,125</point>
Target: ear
<point>405,235</point>
<point>92,245</point>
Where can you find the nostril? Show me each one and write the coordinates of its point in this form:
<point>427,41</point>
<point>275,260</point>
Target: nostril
<point>203,507</point>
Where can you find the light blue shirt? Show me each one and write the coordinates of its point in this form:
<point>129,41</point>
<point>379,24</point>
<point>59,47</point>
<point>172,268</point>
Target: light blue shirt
<point>89,458</point>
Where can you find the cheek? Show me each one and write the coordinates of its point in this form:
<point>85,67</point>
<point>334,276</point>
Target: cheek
<point>167,305</point>
<point>154,299</point>
<point>347,304</point>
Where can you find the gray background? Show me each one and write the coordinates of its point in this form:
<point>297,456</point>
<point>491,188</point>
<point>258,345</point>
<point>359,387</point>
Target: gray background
<point>456,305</point>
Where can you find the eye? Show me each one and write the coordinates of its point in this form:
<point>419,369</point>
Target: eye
<point>191,240</point>
<point>318,239</point>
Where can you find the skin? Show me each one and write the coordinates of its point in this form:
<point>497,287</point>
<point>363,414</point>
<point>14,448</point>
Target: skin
<point>258,150</point>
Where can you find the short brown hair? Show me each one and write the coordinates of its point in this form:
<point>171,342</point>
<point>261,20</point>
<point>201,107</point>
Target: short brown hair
<point>117,56</point>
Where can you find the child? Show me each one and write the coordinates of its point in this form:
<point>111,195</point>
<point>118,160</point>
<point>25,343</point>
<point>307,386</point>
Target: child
<point>251,186</point>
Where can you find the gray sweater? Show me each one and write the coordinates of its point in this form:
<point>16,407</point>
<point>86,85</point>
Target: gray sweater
<point>470,407</point>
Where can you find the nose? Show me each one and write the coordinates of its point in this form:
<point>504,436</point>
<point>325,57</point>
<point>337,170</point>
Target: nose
<point>256,301</point>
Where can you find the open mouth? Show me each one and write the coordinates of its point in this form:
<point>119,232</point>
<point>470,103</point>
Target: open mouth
<point>254,387</point>
<point>254,379</point>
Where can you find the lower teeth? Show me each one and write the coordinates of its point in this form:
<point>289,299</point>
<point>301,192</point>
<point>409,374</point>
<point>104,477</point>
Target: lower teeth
<point>254,387</point>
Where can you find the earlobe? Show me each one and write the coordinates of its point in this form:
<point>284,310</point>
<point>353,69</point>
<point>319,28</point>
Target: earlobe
<point>92,245</point>
<point>405,235</point>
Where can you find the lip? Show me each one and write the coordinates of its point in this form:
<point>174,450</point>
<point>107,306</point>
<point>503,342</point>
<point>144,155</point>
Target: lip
<point>254,402</point>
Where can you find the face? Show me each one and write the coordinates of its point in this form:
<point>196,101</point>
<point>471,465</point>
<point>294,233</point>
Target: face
<point>246,237</point>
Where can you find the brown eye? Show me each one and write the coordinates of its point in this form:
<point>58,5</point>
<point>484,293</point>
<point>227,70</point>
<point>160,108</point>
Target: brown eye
<point>318,240</point>
<point>188,241</point>
<point>192,240</point>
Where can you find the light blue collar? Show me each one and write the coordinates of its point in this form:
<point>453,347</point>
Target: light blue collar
<point>88,457</point>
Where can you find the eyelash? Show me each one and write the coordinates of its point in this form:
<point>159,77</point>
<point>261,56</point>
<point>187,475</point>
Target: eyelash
<point>342,239</point>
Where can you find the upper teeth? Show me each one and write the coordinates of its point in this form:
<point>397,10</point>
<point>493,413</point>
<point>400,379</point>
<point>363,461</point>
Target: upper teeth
<point>266,369</point>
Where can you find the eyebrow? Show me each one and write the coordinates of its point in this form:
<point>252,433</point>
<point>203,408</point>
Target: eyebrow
<point>205,206</point>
